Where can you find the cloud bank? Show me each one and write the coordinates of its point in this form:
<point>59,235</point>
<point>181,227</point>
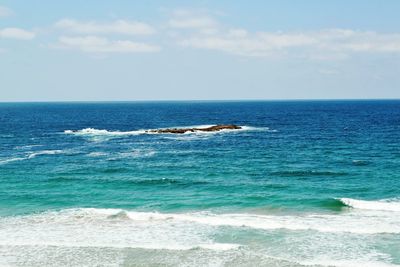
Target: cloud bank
<point>201,30</point>
<point>207,33</point>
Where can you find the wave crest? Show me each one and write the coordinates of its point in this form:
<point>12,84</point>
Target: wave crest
<point>173,232</point>
<point>383,205</point>
<point>45,152</point>
<point>113,228</point>
<point>124,228</point>
<point>5,161</point>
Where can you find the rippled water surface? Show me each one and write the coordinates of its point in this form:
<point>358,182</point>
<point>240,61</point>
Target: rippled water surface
<point>301,184</point>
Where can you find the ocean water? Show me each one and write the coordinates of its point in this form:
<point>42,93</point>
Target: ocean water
<point>307,183</point>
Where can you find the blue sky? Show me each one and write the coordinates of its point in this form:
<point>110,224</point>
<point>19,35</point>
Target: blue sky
<point>198,50</point>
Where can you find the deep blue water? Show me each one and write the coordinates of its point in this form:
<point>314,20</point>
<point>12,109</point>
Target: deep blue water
<point>304,182</point>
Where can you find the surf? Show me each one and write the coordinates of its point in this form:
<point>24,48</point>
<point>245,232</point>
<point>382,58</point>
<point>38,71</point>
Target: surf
<point>96,220</point>
<point>379,205</point>
<point>104,132</point>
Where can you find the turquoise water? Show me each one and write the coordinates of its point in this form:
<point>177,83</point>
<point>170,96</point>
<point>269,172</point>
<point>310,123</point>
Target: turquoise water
<point>301,184</point>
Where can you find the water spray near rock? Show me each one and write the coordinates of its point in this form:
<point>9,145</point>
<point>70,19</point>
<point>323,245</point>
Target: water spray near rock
<point>215,128</point>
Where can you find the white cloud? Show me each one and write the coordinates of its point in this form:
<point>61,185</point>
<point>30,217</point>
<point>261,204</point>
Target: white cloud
<point>187,22</point>
<point>100,37</point>
<point>371,42</point>
<point>5,12</point>
<point>314,44</point>
<point>199,30</point>
<point>16,33</point>
<point>115,27</point>
<point>239,33</point>
<point>241,43</point>
<point>96,44</point>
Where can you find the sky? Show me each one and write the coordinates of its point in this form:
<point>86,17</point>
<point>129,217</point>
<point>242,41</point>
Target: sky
<point>120,50</point>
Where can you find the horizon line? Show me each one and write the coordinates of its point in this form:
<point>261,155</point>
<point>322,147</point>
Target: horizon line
<point>202,100</point>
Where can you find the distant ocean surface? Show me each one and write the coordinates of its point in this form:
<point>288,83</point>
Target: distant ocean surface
<point>303,183</point>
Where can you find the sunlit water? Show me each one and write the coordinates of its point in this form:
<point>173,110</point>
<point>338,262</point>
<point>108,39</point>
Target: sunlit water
<point>301,184</point>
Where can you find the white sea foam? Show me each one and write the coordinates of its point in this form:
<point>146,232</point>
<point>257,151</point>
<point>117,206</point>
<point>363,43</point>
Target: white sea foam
<point>44,152</point>
<point>196,135</point>
<point>343,223</point>
<point>346,222</point>
<point>91,132</point>
<point>348,263</point>
<point>382,205</point>
<point>26,147</point>
<point>96,154</point>
<point>137,153</point>
<point>320,261</point>
<point>31,155</point>
<point>334,240</point>
<point>105,228</point>
<point>243,128</point>
<point>5,161</point>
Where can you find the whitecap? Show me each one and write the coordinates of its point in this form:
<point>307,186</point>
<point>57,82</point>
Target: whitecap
<point>5,161</point>
<point>383,205</point>
<point>137,153</point>
<point>94,132</point>
<point>44,152</point>
<point>96,154</point>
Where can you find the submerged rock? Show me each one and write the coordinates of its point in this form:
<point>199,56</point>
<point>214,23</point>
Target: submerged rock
<point>214,128</point>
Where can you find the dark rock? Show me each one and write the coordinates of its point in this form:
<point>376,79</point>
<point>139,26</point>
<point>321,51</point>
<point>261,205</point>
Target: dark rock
<point>214,128</point>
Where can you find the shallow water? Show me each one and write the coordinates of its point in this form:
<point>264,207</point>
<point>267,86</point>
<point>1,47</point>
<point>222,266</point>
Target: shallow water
<point>302,184</point>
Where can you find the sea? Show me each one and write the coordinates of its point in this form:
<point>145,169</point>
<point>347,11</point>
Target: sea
<point>302,183</point>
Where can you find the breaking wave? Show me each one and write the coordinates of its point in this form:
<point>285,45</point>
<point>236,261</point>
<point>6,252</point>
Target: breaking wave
<point>102,132</point>
<point>382,205</point>
<point>123,228</point>
<point>92,131</point>
<point>188,232</point>
<point>112,228</point>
